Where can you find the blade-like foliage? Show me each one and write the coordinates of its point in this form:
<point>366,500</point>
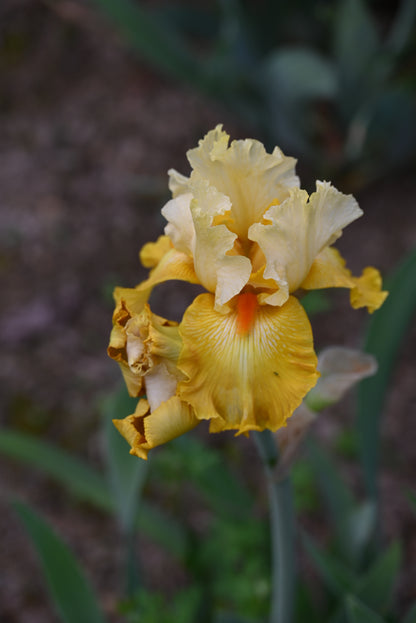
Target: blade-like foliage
<point>337,577</point>
<point>89,486</point>
<point>410,616</point>
<point>377,586</point>
<point>337,496</point>
<point>357,612</point>
<point>126,472</point>
<point>69,589</point>
<point>83,481</point>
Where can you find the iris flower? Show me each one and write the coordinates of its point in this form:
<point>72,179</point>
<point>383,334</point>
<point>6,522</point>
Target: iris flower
<point>242,356</point>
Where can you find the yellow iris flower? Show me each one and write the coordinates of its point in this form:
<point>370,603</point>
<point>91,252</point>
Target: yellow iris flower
<point>242,356</point>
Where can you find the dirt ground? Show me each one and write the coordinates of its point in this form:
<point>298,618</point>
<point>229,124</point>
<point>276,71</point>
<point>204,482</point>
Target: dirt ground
<point>87,134</point>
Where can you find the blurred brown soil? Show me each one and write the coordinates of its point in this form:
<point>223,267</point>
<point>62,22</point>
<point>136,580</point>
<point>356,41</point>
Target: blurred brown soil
<point>87,134</point>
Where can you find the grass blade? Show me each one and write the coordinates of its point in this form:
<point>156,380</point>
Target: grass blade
<point>68,587</point>
<point>84,482</point>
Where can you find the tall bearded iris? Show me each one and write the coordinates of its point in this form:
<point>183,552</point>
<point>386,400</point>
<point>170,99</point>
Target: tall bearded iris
<point>242,356</point>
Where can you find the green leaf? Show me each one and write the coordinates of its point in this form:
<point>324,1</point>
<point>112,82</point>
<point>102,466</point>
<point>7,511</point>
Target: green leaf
<point>85,483</point>
<point>306,608</point>
<point>356,46</point>
<point>316,302</point>
<point>410,615</point>
<point>402,28</point>
<point>337,577</point>
<point>68,587</point>
<point>357,612</point>
<point>89,486</point>
<point>297,73</point>
<point>163,530</point>
<point>356,38</point>
<point>385,334</point>
<point>154,41</point>
<point>360,527</point>
<point>338,497</point>
<point>127,473</point>
<point>376,588</point>
<point>226,617</point>
<point>290,80</point>
<point>186,457</point>
<point>412,499</point>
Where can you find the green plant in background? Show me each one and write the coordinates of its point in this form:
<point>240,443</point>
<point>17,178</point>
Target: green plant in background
<point>235,568</point>
<point>320,79</point>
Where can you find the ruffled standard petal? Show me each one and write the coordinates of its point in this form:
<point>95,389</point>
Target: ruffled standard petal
<point>246,380</point>
<point>180,227</point>
<point>218,269</point>
<point>298,231</point>
<point>178,183</point>
<point>145,430</point>
<point>245,173</point>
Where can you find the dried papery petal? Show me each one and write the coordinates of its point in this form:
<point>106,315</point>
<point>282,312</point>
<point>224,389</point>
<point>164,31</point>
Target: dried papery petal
<point>341,368</point>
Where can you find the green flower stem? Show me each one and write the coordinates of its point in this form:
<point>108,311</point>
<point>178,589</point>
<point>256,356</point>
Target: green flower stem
<point>282,525</point>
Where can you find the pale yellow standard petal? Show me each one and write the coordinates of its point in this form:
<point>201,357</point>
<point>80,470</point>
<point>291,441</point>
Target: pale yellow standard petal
<point>299,230</point>
<point>180,227</point>
<point>178,183</point>
<point>245,173</point>
<point>367,290</point>
<point>144,430</point>
<point>218,269</point>
<point>152,252</point>
<point>246,380</point>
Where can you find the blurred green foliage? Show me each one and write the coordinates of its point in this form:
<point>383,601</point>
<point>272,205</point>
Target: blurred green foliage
<point>333,82</point>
